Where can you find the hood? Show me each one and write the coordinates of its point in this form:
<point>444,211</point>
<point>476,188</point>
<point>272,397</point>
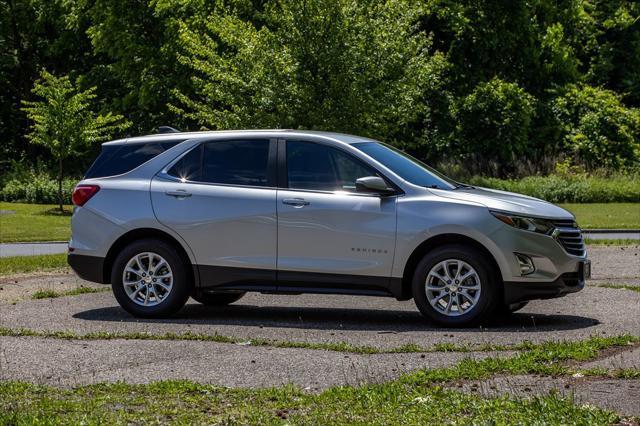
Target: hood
<point>507,202</point>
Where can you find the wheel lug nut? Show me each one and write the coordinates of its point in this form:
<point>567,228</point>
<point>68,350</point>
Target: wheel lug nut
<point>453,294</point>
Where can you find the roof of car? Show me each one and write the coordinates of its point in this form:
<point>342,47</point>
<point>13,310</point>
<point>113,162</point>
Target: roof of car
<point>180,136</point>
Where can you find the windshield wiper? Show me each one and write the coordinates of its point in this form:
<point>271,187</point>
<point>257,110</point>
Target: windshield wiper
<point>463,185</point>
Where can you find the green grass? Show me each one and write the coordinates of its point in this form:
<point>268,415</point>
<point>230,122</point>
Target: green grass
<point>219,338</point>
<point>607,216</point>
<point>52,294</point>
<point>621,286</point>
<point>414,398</point>
<point>183,402</point>
<point>593,345</point>
<point>26,264</point>
<point>34,222</point>
<point>608,242</point>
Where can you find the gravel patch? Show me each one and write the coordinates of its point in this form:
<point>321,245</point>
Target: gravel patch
<point>614,262</point>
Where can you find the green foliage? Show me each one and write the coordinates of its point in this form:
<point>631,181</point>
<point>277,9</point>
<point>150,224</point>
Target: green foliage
<point>504,88</point>
<point>62,117</point>
<point>569,188</point>
<point>338,65</point>
<point>598,128</point>
<point>494,125</point>
<point>39,188</point>
<point>63,121</point>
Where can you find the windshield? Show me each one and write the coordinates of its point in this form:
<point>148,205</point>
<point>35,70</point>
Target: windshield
<point>405,166</point>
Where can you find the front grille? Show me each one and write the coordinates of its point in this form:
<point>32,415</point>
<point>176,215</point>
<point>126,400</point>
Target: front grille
<point>569,236</point>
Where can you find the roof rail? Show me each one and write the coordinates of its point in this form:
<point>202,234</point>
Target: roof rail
<point>167,129</point>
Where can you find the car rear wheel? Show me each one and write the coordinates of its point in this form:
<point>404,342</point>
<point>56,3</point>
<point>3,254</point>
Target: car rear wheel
<point>454,286</point>
<point>217,299</point>
<point>150,280</point>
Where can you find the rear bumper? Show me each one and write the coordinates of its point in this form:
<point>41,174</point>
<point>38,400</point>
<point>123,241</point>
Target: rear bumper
<point>570,282</point>
<point>90,268</point>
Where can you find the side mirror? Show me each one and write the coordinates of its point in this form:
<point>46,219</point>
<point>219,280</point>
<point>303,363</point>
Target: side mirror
<point>373,185</point>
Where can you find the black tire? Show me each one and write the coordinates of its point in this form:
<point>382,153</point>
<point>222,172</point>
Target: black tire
<point>179,293</point>
<point>216,299</point>
<point>489,286</point>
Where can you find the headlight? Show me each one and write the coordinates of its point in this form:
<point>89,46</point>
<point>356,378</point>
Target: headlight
<point>540,226</point>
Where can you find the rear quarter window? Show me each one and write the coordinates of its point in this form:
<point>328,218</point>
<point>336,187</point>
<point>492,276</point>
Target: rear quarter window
<point>118,159</point>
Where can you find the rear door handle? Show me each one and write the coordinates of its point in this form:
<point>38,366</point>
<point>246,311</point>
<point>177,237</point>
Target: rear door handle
<point>180,193</point>
<point>295,202</point>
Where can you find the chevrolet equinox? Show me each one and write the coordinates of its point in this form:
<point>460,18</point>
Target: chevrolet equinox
<point>213,215</point>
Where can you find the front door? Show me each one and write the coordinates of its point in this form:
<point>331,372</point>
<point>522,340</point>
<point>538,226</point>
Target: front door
<point>221,199</point>
<point>330,236</point>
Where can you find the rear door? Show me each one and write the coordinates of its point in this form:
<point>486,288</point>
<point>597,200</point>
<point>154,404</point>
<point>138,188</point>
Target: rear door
<point>329,235</point>
<point>221,198</point>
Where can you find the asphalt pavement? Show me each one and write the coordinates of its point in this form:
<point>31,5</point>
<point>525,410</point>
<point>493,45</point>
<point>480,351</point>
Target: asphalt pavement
<point>382,323</point>
<point>32,249</point>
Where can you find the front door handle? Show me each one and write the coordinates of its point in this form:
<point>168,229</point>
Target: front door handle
<point>295,202</point>
<point>180,193</point>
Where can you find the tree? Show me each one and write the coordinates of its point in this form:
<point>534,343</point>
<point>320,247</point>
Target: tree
<point>346,65</point>
<point>63,121</point>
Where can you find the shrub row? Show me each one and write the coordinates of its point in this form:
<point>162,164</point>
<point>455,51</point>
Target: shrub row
<point>569,189</point>
<point>38,189</point>
<point>41,189</point>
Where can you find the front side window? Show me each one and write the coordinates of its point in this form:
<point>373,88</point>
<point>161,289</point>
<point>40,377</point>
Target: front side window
<point>313,166</point>
<point>239,162</point>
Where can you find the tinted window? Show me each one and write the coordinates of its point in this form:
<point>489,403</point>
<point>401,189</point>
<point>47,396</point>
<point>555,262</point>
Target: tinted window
<point>188,168</point>
<point>119,159</point>
<point>323,168</point>
<point>405,166</point>
<point>236,162</point>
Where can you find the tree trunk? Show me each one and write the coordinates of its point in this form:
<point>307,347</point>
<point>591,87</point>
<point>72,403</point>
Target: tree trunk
<point>60,200</point>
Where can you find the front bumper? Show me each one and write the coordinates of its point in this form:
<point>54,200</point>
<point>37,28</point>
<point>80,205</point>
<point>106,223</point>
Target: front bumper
<point>570,282</point>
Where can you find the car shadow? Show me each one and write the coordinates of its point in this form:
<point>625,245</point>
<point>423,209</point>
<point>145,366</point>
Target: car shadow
<point>318,318</point>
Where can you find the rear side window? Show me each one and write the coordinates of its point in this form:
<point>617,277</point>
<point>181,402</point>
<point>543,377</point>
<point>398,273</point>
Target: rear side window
<point>189,167</point>
<point>118,159</point>
<point>239,162</point>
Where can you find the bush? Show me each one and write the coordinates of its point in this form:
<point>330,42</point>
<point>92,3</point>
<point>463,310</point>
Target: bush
<point>597,129</point>
<point>569,188</point>
<point>36,188</point>
<point>494,125</point>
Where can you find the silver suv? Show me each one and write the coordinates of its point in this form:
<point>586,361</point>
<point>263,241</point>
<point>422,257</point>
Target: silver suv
<point>213,215</point>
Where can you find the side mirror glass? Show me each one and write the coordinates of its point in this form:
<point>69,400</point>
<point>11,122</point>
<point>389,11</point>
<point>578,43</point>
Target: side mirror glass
<point>373,185</point>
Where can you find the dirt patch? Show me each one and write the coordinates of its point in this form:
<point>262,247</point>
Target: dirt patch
<point>16,288</point>
<point>619,395</point>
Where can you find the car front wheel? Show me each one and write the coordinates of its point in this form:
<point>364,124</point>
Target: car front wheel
<point>454,286</point>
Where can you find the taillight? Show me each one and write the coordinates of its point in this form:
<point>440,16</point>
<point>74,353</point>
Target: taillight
<point>82,194</point>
